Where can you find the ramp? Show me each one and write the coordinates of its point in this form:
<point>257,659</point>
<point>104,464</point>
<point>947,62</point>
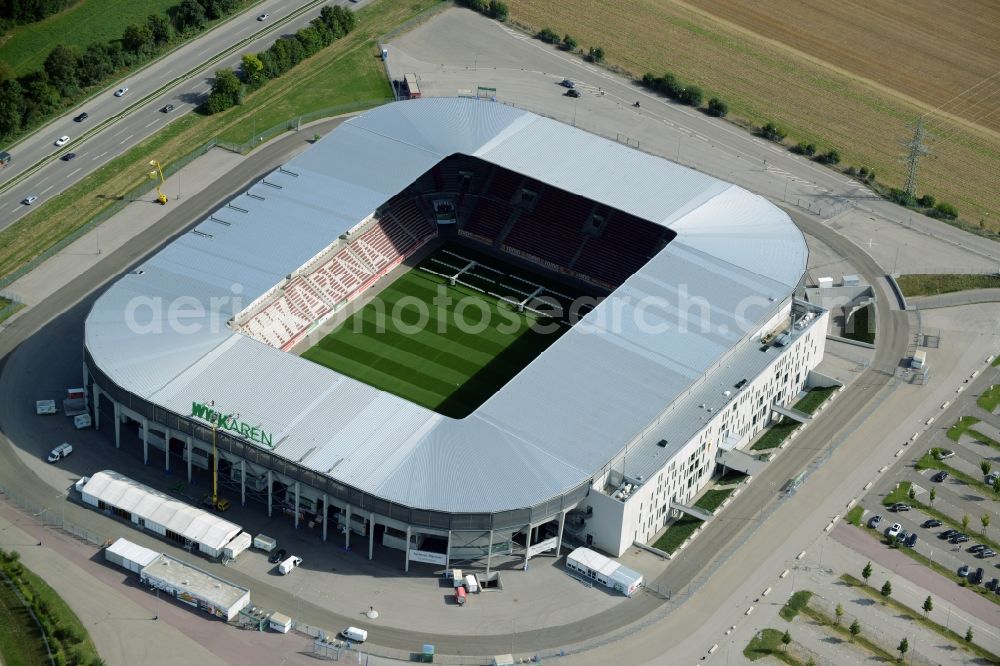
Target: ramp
<point>741,461</point>
<point>793,414</point>
<point>700,514</point>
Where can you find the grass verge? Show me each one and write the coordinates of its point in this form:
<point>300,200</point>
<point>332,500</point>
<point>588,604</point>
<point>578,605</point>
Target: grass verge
<point>711,500</point>
<point>908,613</point>
<point>767,643</point>
<point>956,431</point>
<point>927,461</point>
<point>861,325</point>
<point>901,493</point>
<point>795,604</point>
<point>775,435</point>
<point>944,283</point>
<point>990,398</point>
<point>854,515</point>
<point>677,533</point>
<point>329,78</point>
<point>20,640</point>
<point>816,397</point>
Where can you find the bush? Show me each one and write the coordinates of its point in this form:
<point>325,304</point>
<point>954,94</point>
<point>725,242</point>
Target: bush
<point>772,132</point>
<point>568,43</point>
<point>901,197</point>
<point>691,95</point>
<point>547,35</point>
<point>717,108</point>
<point>498,10</point>
<point>829,157</point>
<point>945,211</point>
<point>926,201</point>
<point>596,54</point>
<point>803,148</point>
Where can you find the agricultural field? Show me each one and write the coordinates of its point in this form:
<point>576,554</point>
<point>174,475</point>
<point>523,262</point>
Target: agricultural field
<point>822,78</point>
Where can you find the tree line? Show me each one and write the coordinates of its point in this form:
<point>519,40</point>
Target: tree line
<point>29,100</point>
<point>14,12</point>
<point>256,68</point>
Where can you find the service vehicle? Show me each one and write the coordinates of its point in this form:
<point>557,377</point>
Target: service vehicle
<point>45,407</point>
<point>60,452</point>
<point>289,565</point>
<point>354,634</point>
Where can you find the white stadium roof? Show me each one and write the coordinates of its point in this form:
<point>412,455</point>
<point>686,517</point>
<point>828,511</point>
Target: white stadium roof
<point>553,426</point>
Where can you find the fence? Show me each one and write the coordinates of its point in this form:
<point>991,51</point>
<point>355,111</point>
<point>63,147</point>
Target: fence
<point>48,517</point>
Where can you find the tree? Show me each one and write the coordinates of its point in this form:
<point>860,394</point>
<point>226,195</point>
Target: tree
<point>928,605</point>
<point>911,493</point>
<point>568,43</point>
<point>886,590</point>
<point>945,211</point>
<point>866,573</point>
<point>933,495</point>
<point>855,629</point>
<point>138,39</point>
<point>12,106</point>
<point>227,91</point>
<point>596,54</point>
<point>691,95</point>
<point>498,10</point>
<point>253,70</point>
<point>772,132</point>
<point>839,612</point>
<point>60,66</point>
<point>927,201</point>
<point>984,520</point>
<point>717,108</point>
<point>829,157</point>
<point>968,635</point>
<point>547,35</point>
<point>159,29</point>
<point>965,523</point>
<point>188,15</point>
<point>984,465</point>
<point>786,638</point>
<point>903,648</point>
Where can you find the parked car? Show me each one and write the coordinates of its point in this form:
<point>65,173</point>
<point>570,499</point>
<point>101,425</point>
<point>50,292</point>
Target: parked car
<point>902,536</point>
<point>933,522</point>
<point>62,141</point>
<point>944,454</point>
<point>959,538</point>
<point>940,476</point>
<point>977,577</point>
<point>60,452</point>
<point>168,108</point>
<point>992,477</point>
<point>992,585</point>
<point>947,534</point>
<point>68,157</point>
<point>875,520</point>
<point>80,118</point>
<point>566,83</point>
<point>30,199</point>
<point>911,540</point>
<point>264,17</point>
<point>986,553</point>
<point>963,570</point>
<point>893,530</point>
<point>121,91</point>
<point>277,556</point>
<point>976,548</point>
<point>900,506</point>
<point>572,92</point>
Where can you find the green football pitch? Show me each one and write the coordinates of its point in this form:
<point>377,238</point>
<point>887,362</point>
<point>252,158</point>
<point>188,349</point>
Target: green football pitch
<point>449,358</point>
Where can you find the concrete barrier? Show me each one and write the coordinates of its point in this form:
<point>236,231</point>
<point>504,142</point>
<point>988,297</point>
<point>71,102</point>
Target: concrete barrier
<point>783,573</point>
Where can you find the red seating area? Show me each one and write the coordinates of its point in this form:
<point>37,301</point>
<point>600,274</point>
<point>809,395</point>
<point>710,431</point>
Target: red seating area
<point>625,245</point>
<point>489,217</point>
<point>504,185</point>
<point>552,231</point>
<point>406,213</point>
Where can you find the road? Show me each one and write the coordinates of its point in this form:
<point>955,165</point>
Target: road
<point>95,146</point>
<point>955,299</point>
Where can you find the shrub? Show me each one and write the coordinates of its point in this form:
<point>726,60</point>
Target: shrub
<point>568,43</point>
<point>498,10</point>
<point>851,171</point>
<point>829,157</point>
<point>547,35</point>
<point>596,54</point>
<point>945,211</point>
<point>691,95</point>
<point>803,148</point>
<point>926,201</point>
<point>901,197</point>
<point>772,132</point>
<point>717,108</point>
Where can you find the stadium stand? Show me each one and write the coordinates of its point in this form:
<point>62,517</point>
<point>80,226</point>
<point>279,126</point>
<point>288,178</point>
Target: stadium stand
<point>552,230</point>
<point>625,244</point>
<point>488,218</point>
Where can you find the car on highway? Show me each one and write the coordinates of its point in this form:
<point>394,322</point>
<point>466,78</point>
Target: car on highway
<point>264,17</point>
<point>121,91</point>
<point>80,118</point>
<point>933,522</point>
<point>944,454</point>
<point>875,521</point>
<point>566,83</point>
<point>62,141</point>
<point>939,477</point>
<point>68,156</point>
<point>893,530</point>
<point>963,570</point>
<point>277,556</point>
<point>572,92</point>
<point>911,540</point>
<point>30,199</point>
<point>168,108</point>
<point>900,506</point>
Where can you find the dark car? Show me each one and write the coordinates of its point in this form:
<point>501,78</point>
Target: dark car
<point>963,570</point>
<point>80,118</point>
<point>977,577</point>
<point>975,549</point>
<point>899,506</point>
<point>992,585</point>
<point>933,522</point>
<point>572,92</point>
<point>986,553</point>
<point>277,556</point>
<point>168,108</point>
<point>911,540</point>
<point>68,156</point>
<point>959,538</point>
<point>566,83</point>
<point>940,476</point>
<point>875,520</point>
<point>947,534</point>
<point>902,536</point>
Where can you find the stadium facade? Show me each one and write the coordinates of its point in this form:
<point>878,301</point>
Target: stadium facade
<point>599,440</point>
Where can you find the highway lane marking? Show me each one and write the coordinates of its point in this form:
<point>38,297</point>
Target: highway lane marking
<point>124,129</point>
<point>14,210</point>
<point>47,189</point>
<point>153,123</point>
<point>73,172</point>
<point>97,157</point>
<point>43,180</point>
<point>126,139</point>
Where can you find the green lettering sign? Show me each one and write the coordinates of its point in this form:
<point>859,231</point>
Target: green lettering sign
<point>231,423</point>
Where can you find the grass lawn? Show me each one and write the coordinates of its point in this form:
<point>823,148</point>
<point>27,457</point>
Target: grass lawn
<point>956,431</point>
<point>861,326</point>
<point>731,476</point>
<point>446,361</point>
<point>677,533</point>
<point>907,613</point>
<point>928,461</point>
<point>795,604</point>
<point>25,47</point>
<point>767,643</point>
<point>5,312</point>
<point>816,397</point>
<point>318,80</point>
<point>854,515</point>
<point>944,283</point>
<point>711,500</point>
<point>775,435</point>
<point>990,398</point>
<point>20,640</point>
<point>899,494</point>
<point>996,361</point>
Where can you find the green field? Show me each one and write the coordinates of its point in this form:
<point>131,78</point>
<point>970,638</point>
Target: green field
<point>943,283</point>
<point>451,362</point>
<point>25,47</point>
<point>20,640</point>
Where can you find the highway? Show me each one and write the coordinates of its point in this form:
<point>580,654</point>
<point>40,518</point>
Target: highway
<point>116,124</point>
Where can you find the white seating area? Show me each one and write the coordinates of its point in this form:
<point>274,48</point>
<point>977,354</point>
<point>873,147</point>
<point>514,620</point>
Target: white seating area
<point>309,297</point>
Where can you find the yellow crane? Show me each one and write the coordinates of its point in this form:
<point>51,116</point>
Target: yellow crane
<point>161,197</point>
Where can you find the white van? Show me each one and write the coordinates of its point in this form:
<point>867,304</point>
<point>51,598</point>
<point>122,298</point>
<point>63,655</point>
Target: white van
<point>60,452</point>
<point>355,634</point>
<point>471,584</point>
<point>289,564</point>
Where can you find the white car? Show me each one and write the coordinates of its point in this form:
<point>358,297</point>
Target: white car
<point>30,199</point>
<point>263,17</point>
<point>121,92</point>
<point>62,141</point>
<point>894,530</point>
<point>60,452</point>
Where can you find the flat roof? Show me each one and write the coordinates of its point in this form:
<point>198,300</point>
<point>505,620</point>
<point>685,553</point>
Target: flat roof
<point>554,425</point>
<point>200,584</point>
<point>132,552</point>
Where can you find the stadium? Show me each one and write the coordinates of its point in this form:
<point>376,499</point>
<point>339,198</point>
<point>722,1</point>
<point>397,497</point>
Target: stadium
<point>466,332</point>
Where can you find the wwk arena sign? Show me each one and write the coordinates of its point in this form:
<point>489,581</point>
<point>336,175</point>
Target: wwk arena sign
<point>231,423</point>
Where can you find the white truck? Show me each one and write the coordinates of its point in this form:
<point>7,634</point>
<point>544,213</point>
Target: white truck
<point>75,402</point>
<point>265,543</point>
<point>81,421</point>
<point>60,452</point>
<point>45,407</point>
<point>288,565</point>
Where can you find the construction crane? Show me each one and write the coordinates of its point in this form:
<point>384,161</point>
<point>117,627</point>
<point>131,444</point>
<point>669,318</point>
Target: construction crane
<point>153,175</point>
